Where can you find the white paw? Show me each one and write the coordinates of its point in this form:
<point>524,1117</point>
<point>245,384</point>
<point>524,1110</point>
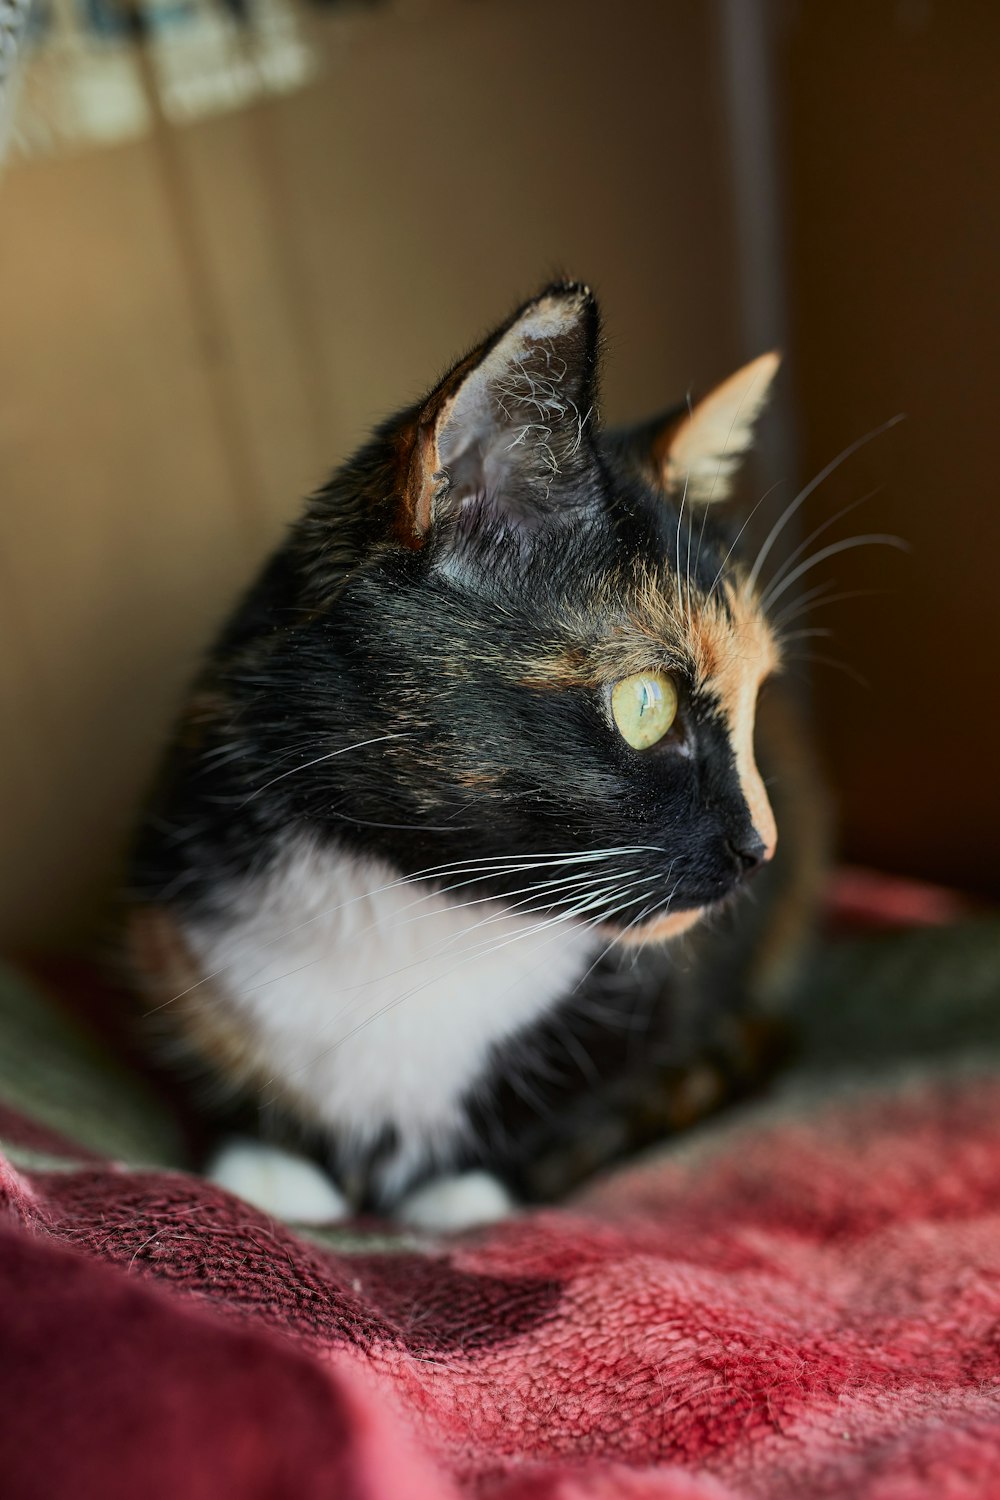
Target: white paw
<point>287,1186</point>
<point>458,1202</point>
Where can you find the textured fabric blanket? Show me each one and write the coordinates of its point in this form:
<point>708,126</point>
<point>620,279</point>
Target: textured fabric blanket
<point>800,1300</point>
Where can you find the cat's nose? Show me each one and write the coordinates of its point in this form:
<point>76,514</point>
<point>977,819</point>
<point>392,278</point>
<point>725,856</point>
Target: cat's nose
<point>749,852</point>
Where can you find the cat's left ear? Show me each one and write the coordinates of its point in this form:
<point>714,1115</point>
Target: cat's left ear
<point>506,430</point>
<point>699,450</point>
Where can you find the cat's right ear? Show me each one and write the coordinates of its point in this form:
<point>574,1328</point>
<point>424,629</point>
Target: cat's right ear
<point>696,450</point>
<point>505,434</point>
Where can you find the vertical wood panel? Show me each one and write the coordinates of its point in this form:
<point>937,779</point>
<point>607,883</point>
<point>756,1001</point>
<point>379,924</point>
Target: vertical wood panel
<point>119,530</point>
<point>195,328</point>
<point>894,158</point>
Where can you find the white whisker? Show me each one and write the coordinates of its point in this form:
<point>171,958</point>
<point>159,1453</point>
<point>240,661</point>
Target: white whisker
<point>806,491</point>
<point>504,911</point>
<point>617,938</point>
<point>677,544</point>
<point>837,664</point>
<point>804,635</point>
<point>479,867</point>
<point>875,539</point>
<point>735,542</point>
<point>332,755</point>
<point>603,907</point>
<point>818,598</point>
<point>818,531</point>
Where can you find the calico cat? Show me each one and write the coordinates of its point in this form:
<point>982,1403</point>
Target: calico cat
<point>443,879</point>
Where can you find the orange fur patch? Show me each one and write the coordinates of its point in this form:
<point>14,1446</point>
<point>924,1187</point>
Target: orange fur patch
<point>732,658</point>
<point>661,929</point>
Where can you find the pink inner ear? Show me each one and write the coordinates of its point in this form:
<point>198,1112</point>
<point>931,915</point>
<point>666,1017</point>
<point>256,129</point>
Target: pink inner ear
<point>508,424</point>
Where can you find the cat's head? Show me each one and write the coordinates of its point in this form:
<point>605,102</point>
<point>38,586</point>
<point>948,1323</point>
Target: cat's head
<point>539,638</point>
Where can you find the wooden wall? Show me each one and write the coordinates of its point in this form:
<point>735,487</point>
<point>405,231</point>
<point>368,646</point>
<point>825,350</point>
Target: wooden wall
<point>196,326</point>
<point>893,191</point>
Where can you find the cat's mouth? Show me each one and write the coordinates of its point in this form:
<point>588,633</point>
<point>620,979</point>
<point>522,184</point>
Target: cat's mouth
<point>685,907</point>
<point>662,928</point>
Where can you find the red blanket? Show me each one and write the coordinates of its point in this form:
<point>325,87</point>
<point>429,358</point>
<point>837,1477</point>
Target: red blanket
<point>800,1302</point>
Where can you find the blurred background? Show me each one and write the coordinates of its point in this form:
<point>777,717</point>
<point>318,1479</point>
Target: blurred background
<point>232,236</point>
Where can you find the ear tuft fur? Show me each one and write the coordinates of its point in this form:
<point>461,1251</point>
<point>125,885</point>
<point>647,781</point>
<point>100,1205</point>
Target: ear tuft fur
<point>506,429</point>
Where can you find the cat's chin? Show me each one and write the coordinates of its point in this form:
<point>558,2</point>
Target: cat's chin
<point>662,929</point>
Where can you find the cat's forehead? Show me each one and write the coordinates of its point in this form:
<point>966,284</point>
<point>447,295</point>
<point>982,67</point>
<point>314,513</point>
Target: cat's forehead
<point>720,636</point>
<point>717,638</point>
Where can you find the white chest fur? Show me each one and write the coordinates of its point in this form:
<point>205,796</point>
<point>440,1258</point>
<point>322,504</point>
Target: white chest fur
<point>380,1001</point>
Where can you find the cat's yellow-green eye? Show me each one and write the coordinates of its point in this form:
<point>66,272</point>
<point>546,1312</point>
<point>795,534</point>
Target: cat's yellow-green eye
<point>644,708</point>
